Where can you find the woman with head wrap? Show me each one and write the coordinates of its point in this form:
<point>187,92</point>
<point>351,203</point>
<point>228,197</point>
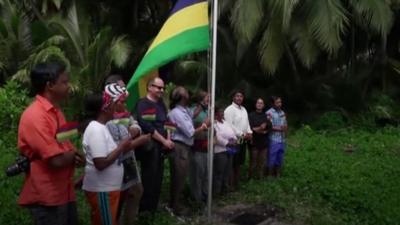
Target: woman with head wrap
<point>104,171</point>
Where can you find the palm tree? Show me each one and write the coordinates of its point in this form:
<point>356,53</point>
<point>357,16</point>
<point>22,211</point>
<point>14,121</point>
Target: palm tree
<point>318,40</point>
<point>24,43</point>
<point>92,55</point>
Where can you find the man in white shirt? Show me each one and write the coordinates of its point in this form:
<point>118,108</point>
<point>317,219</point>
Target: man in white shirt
<point>236,116</point>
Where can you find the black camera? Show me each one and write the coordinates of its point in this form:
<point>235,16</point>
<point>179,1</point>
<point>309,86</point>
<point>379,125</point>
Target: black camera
<point>21,164</point>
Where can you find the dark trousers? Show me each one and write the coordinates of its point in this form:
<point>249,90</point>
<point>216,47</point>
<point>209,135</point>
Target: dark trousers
<point>257,162</point>
<point>238,160</point>
<point>54,215</point>
<point>152,170</point>
<point>221,172</point>
<point>179,164</point>
<point>198,176</point>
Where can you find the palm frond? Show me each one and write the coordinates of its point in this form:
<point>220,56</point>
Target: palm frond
<point>2,66</point>
<point>24,33</point>
<point>191,67</point>
<point>120,51</point>
<point>55,40</point>
<point>283,9</point>
<point>225,6</point>
<point>16,25</point>
<point>375,14</point>
<point>395,64</point>
<point>99,64</point>
<point>21,76</point>
<point>57,3</point>
<point>3,30</point>
<point>271,47</point>
<point>246,19</point>
<point>71,26</point>
<point>304,44</point>
<point>327,20</point>
<point>51,53</point>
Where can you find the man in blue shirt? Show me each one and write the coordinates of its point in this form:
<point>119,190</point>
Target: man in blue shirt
<point>276,136</point>
<point>183,137</point>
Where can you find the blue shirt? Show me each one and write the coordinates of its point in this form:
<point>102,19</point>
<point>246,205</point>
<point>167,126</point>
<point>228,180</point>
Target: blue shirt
<point>182,117</point>
<point>278,118</point>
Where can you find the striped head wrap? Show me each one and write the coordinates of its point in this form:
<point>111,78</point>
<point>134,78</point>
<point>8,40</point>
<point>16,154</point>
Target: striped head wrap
<point>113,93</point>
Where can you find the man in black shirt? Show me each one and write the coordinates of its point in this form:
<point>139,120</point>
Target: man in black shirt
<point>151,114</point>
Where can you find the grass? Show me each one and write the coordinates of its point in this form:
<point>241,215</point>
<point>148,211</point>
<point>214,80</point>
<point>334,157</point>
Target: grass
<point>326,183</point>
<point>340,177</point>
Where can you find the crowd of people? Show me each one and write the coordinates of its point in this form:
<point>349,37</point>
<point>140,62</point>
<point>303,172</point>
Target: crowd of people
<point>124,151</point>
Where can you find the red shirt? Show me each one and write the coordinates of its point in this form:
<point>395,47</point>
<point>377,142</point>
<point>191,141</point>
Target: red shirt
<point>36,139</point>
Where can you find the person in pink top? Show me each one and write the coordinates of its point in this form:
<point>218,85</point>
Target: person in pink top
<point>224,148</point>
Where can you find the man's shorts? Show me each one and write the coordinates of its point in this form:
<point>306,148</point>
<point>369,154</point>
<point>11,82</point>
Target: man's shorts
<point>276,152</point>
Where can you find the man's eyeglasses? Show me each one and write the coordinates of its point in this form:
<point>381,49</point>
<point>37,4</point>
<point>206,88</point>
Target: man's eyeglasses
<point>158,87</point>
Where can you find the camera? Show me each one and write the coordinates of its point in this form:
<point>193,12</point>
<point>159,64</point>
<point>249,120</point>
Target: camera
<point>21,164</point>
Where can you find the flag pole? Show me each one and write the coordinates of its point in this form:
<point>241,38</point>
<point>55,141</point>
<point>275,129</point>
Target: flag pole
<point>212,61</point>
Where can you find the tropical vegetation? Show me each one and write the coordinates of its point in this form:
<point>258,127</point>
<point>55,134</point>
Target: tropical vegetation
<point>336,63</point>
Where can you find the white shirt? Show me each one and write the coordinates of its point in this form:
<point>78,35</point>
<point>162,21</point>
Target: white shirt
<point>223,132</point>
<point>97,143</point>
<point>237,117</point>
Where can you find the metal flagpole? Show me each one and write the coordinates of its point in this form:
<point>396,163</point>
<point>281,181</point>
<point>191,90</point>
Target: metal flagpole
<point>211,85</point>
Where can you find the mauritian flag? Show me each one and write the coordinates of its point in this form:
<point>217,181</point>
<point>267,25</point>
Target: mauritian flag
<point>185,31</point>
<point>67,131</point>
<point>122,118</point>
<point>169,126</point>
<point>149,114</point>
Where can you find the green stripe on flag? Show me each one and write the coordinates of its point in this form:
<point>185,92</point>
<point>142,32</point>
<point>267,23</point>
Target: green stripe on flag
<point>193,40</point>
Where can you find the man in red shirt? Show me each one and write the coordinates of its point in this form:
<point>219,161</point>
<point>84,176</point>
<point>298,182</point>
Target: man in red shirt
<point>48,188</point>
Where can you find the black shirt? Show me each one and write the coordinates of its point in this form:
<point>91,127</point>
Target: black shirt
<point>260,141</point>
<point>151,116</point>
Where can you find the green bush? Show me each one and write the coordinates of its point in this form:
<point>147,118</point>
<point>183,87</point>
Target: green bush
<point>329,121</point>
<point>13,100</point>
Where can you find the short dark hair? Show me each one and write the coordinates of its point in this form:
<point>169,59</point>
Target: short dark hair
<point>176,96</point>
<point>113,78</point>
<point>200,95</point>
<point>43,73</point>
<point>273,98</point>
<point>234,92</point>
<point>219,107</point>
<point>93,104</point>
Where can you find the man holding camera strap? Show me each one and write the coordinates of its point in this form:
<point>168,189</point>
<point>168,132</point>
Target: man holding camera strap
<point>48,190</point>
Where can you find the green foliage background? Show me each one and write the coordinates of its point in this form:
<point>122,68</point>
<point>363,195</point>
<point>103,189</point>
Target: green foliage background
<point>336,64</point>
<point>336,176</point>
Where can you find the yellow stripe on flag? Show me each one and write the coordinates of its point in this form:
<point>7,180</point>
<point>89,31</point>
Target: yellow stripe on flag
<point>182,20</point>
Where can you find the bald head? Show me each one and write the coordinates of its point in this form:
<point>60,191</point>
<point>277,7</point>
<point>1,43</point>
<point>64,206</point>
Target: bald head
<point>155,88</point>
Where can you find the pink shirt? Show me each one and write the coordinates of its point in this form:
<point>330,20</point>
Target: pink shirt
<point>223,132</point>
